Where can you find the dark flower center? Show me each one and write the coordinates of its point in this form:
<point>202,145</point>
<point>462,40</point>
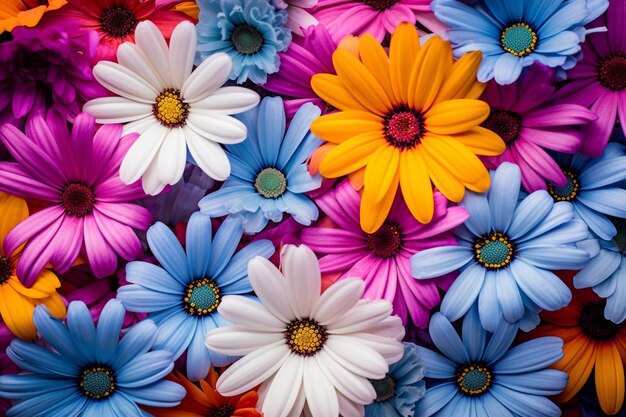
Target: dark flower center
<point>493,251</point>
<point>247,40</point>
<point>594,324</point>
<point>568,192</point>
<point>33,66</point>
<point>612,72</point>
<point>385,388</point>
<point>78,199</point>
<point>97,382</point>
<point>170,109</point>
<point>305,337</point>
<point>386,241</point>
<point>223,411</point>
<point>519,39</point>
<point>118,21</point>
<point>380,4</point>
<point>201,297</point>
<point>505,124</point>
<point>473,379</point>
<point>6,269</point>
<point>270,183</point>
<point>404,128</point>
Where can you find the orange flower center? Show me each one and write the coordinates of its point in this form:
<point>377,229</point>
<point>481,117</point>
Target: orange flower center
<point>505,124</point>
<point>118,21</point>
<point>6,270</point>
<point>612,72</point>
<point>404,128</point>
<point>78,199</point>
<point>593,323</point>
<point>386,241</point>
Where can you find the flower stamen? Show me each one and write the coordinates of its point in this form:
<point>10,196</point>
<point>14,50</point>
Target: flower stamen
<point>494,251</point>
<point>97,382</point>
<point>170,109</point>
<point>568,192</point>
<point>305,337</point>
<point>474,380</point>
<point>201,297</point>
<point>519,39</point>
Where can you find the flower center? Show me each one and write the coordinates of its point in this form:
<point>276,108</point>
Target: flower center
<point>170,109</point>
<point>224,411</point>
<point>78,199</point>
<point>97,382</point>
<point>6,270</point>
<point>33,66</point>
<point>380,4</point>
<point>612,72</point>
<point>566,193</point>
<point>404,128</point>
<point>201,297</point>
<point>593,323</point>
<point>386,241</point>
<point>474,379</point>
<point>519,39</point>
<point>505,124</point>
<point>118,21</point>
<point>494,251</point>
<point>385,388</point>
<point>246,39</point>
<point>270,183</point>
<point>305,337</point>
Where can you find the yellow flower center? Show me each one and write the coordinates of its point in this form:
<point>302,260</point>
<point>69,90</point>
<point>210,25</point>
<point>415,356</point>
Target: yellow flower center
<point>493,251</point>
<point>474,379</point>
<point>305,337</point>
<point>201,297</point>
<point>170,109</point>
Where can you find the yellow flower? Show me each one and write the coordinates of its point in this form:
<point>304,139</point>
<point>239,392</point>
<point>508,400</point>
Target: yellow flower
<point>17,303</point>
<point>190,8</point>
<point>25,12</point>
<point>410,118</point>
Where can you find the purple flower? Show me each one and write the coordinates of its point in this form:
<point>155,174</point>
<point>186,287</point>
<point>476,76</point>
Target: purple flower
<point>78,175</point>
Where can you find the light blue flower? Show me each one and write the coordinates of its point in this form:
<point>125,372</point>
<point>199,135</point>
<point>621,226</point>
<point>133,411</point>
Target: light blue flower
<point>506,251</point>
<point>481,375</point>
<point>251,32</point>
<point>269,174</point>
<point>89,371</point>
<point>401,389</point>
<point>182,295</point>
<point>513,34</point>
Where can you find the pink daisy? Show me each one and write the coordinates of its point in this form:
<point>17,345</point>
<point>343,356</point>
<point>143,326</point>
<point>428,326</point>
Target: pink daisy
<point>78,175</point>
<point>382,259</point>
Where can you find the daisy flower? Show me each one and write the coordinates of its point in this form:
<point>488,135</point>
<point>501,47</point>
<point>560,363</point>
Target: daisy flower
<point>410,118</point>
<point>530,124</point>
<point>172,107</point>
<point>89,210</point>
<point>25,12</point>
<point>251,32</point>
<point>308,351</point>
<point>382,258</point>
<point>269,174</point>
<point>298,11</point>
<point>482,375</point>
<point>89,371</point>
<point>506,251</point>
<point>512,35</point>
<point>183,294</point>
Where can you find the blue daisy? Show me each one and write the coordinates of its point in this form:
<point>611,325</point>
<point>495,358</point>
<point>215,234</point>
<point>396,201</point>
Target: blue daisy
<point>401,389</point>
<point>482,375</point>
<point>505,253</point>
<point>513,34</point>
<point>89,371</point>
<point>269,174</point>
<point>183,294</point>
<point>251,32</point>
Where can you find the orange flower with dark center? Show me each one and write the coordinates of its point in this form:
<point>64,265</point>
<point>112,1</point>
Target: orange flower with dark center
<point>25,12</point>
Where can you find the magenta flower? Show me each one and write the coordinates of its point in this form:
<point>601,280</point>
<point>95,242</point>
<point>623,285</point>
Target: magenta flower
<point>382,259</point>
<point>78,175</point>
<point>529,123</point>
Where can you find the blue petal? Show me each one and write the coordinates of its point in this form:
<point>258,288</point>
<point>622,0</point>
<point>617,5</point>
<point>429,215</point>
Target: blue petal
<point>488,306</point>
<point>571,232</point>
<point>570,14</point>
<point>538,11</point>
<point>122,405</point>
<point>22,387</point>
<point>58,336</point>
<point>524,404</point>
<point>41,404</point>
<point>447,340</point>
<point>437,366</point>
<point>542,287</point>
<point>226,240</point>
<point>610,171</point>
<point>219,202</point>
<point>501,340</point>
<point>145,369</point>
<point>138,340</point>
<point>507,69</point>
<point>477,206</point>
<point>615,309</point>
<point>303,210</point>
<point>175,331</point>
<point>531,356</point>
<point>271,128</point>
<point>474,337</point>
<point>139,299</point>
<point>555,257</point>
<point>503,195</point>
<point>152,277</point>
<point>108,330</point>
<point>597,222</point>
<point>611,201</point>
<point>169,252</point>
<point>198,360</point>
<point>159,394</point>
<point>463,292</point>
<point>508,296</point>
<point>254,222</point>
<point>82,329</point>
<point>32,358</point>
<point>562,43</point>
<point>544,382</point>
<point>493,407</point>
<point>461,16</point>
<point>561,212</point>
<point>296,133</point>
<point>299,180</point>
<point>198,244</point>
<point>237,268</point>
<point>212,322</point>
<point>240,169</point>
<point>435,262</point>
<point>498,10</point>
<point>435,399</point>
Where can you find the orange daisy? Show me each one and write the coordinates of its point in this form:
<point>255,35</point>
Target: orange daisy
<point>410,117</point>
<point>25,12</point>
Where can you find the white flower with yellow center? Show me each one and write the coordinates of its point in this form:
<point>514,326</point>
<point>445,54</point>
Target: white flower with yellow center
<point>309,351</point>
<point>171,106</point>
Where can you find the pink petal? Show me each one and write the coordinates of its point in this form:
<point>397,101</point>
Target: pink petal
<point>131,215</point>
<point>120,237</point>
<point>100,255</point>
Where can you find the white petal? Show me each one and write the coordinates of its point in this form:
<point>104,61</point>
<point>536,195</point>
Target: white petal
<point>348,408</point>
<point>218,127</point>
<point>298,19</point>
<point>123,82</point>
<point>133,58</point>
<point>337,299</point>
<point>239,340</point>
<point>390,327</point>
<point>364,314</point>
<point>209,155</point>
<point>298,406</point>
<point>208,77</point>
<point>116,109</point>
<point>285,388</point>
<point>271,288</point>
<point>357,358</point>
<point>321,396</point>
<point>182,51</point>
<point>150,179</point>
<point>243,311</point>
<point>152,43</point>
<point>141,153</point>
<point>304,280</point>
<point>172,157</point>
<point>354,387</point>
<point>390,349</point>
<point>141,125</point>
<point>229,100</point>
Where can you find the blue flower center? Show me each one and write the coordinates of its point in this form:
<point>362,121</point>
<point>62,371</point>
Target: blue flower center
<point>385,388</point>
<point>271,183</point>
<point>519,39</point>
<point>246,39</point>
<point>202,297</point>
<point>568,192</point>
<point>97,382</point>
<point>473,379</point>
<point>494,251</point>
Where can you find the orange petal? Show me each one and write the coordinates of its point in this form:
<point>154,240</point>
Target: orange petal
<point>17,313</point>
<point>317,156</point>
<point>445,182</point>
<point>381,169</point>
<point>351,155</point>
<point>31,17</point>
<point>357,178</point>
<point>14,210</point>
<point>609,378</point>
<point>457,158</point>
<point>376,61</point>
<point>343,125</point>
<point>330,89</point>
<point>578,360</point>
<point>427,73</point>
<point>402,53</point>
<point>456,116</point>
<point>374,214</point>
<point>460,82</point>
<point>416,186</point>
<point>481,141</point>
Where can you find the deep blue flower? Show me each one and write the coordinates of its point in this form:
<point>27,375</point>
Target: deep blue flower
<point>506,251</point>
<point>88,371</point>
<point>182,295</point>
<point>482,375</point>
<point>269,174</point>
<point>512,34</point>
<point>401,389</point>
<point>251,32</point>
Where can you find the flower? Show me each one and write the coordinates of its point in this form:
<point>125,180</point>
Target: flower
<point>483,373</point>
<point>299,17</point>
<point>402,387</point>
<point>206,401</point>
<point>306,350</point>
<point>269,174</point>
<point>182,295</point>
<point>405,141</point>
<point>514,35</point>
<point>172,107</point>
<point>382,258</point>
<point>17,302</point>
<point>529,123</point>
<point>88,208</point>
<point>90,372</point>
<point>115,20</point>
<point>592,343</point>
<point>251,32</point>
<point>506,251</point>
<point>25,12</point>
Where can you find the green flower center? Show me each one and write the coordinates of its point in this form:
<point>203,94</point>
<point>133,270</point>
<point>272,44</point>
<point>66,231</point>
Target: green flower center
<point>519,39</point>
<point>202,297</point>
<point>386,242</point>
<point>97,382</point>
<point>494,251</point>
<point>474,379</point>
<point>385,388</point>
<point>305,337</point>
<point>118,21</point>
<point>568,192</point>
<point>594,324</point>
<point>247,40</point>
<point>78,199</point>
<point>270,183</point>
<point>6,270</point>
<point>612,72</point>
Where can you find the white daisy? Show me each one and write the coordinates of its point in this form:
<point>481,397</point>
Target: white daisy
<point>171,106</point>
<point>310,352</point>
